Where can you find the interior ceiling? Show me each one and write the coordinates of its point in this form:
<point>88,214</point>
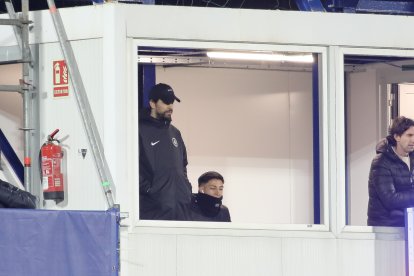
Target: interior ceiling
<point>178,57</point>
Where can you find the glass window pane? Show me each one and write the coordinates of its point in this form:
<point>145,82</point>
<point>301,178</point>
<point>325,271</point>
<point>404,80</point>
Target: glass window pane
<point>372,84</point>
<point>252,121</point>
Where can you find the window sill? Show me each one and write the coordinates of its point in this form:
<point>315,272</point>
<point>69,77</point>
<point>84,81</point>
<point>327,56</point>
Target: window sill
<point>372,233</point>
<point>231,229</point>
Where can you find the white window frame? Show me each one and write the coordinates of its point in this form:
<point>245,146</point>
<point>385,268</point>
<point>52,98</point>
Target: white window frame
<point>185,226</point>
<point>342,229</point>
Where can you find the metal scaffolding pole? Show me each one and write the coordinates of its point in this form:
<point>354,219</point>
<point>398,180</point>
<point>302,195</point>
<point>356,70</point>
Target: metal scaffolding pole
<point>84,107</point>
<point>23,22</point>
<point>12,15</point>
<point>26,95</point>
<point>21,31</point>
<point>11,88</point>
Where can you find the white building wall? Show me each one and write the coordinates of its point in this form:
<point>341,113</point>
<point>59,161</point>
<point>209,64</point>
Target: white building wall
<point>82,182</point>
<point>268,26</point>
<point>241,252</point>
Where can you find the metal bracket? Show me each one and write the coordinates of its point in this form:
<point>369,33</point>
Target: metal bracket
<point>11,88</point>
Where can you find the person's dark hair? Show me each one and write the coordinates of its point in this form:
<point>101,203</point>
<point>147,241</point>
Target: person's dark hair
<point>207,176</point>
<point>398,127</point>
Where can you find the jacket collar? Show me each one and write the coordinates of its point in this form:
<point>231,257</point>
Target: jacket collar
<point>145,117</point>
<point>385,147</point>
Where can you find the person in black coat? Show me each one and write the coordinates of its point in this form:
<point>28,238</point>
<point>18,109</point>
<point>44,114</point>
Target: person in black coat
<point>207,205</point>
<point>164,188</point>
<point>13,197</point>
<point>391,177</point>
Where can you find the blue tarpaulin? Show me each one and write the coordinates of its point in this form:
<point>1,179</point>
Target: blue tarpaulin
<point>64,243</point>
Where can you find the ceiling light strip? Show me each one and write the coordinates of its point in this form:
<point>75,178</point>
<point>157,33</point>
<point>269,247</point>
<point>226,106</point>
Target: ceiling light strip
<point>307,58</point>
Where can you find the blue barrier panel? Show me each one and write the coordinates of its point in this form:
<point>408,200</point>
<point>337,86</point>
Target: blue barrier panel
<point>64,243</point>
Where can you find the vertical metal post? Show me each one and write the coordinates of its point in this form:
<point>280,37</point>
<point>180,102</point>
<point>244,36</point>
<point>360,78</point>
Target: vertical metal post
<point>26,94</point>
<point>316,141</point>
<point>36,188</point>
<point>84,107</point>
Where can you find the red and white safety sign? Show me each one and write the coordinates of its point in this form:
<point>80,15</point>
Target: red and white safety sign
<point>60,79</point>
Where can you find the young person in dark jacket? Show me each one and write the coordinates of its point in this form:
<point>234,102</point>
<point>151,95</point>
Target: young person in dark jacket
<point>13,197</point>
<point>164,188</point>
<point>391,178</point>
<point>207,205</point>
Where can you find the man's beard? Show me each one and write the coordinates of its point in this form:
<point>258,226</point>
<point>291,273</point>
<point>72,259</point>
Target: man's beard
<point>165,116</point>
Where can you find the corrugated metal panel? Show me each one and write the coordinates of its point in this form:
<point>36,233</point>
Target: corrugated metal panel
<point>386,251</point>
<point>152,255</point>
<point>309,257</point>
<point>221,253</point>
<point>356,258</point>
<point>247,26</point>
<point>229,256</point>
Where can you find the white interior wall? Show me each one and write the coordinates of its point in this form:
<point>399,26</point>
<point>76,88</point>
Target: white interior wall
<point>406,100</point>
<point>362,122</point>
<point>250,126</point>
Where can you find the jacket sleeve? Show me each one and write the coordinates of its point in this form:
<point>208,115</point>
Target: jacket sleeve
<point>145,174</point>
<point>383,182</point>
<point>13,197</point>
<point>185,163</point>
<point>228,217</point>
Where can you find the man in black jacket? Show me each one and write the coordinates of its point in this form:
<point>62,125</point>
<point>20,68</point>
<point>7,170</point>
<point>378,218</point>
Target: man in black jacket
<point>13,197</point>
<point>207,205</point>
<point>164,188</point>
<point>391,178</point>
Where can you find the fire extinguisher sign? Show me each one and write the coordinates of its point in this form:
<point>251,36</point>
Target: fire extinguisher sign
<point>60,79</point>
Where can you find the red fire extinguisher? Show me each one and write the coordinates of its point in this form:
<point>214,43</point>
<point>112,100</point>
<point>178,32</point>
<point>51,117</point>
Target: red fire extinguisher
<point>51,162</point>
